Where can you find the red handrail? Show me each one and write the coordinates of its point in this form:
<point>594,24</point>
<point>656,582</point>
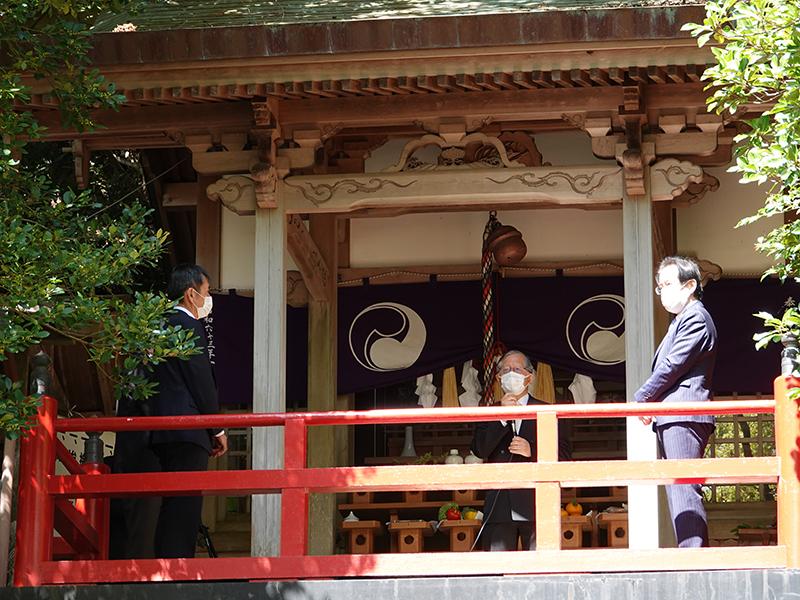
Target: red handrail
<point>40,488</point>
<point>414,415</point>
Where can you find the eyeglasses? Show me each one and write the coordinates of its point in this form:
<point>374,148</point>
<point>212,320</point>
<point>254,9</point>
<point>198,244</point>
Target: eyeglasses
<point>661,286</point>
<point>519,370</point>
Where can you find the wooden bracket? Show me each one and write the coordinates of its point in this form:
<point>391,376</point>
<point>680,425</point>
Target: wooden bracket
<point>296,290</point>
<point>709,271</point>
<point>265,136</point>
<point>235,192</point>
<point>634,156</point>
<point>81,156</point>
<point>310,262</point>
<point>696,191</point>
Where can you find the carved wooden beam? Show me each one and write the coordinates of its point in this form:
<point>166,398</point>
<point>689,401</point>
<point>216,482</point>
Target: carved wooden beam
<point>453,189</point>
<point>709,271</point>
<point>308,258</point>
<point>696,191</point>
<point>235,192</point>
<point>670,178</point>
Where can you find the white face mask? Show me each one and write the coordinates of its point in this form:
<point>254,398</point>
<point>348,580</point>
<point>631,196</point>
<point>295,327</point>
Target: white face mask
<point>205,309</point>
<point>674,298</point>
<point>513,383</point>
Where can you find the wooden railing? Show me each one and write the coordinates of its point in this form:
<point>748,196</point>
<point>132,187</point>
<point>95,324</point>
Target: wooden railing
<point>44,494</point>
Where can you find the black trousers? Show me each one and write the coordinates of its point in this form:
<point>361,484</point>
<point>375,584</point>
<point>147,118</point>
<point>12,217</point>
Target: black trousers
<point>686,440</point>
<point>498,537</point>
<point>133,520</point>
<point>180,516</point>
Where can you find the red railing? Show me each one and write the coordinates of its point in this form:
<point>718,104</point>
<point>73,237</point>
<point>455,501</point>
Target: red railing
<point>44,494</point>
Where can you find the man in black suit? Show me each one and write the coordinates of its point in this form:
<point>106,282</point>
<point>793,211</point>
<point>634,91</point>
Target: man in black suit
<point>185,387</point>
<point>683,370</point>
<point>509,514</point>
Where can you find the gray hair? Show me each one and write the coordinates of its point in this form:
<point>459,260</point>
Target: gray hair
<point>528,363</point>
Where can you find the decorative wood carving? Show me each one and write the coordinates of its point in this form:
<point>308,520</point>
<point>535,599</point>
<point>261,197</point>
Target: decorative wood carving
<point>709,271</point>
<point>669,178</point>
<point>451,188</point>
<point>453,154</point>
<point>320,193</point>
<point>309,260</point>
<point>296,290</point>
<point>265,179</point>
<point>556,181</point>
<point>632,156</point>
<point>696,191</point>
<point>521,148</point>
<point>235,192</point>
<point>265,136</point>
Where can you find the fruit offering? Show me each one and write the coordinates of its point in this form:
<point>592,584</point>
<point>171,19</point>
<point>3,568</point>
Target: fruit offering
<point>574,509</point>
<point>446,507</point>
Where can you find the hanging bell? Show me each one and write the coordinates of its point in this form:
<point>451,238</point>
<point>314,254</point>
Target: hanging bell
<point>506,245</point>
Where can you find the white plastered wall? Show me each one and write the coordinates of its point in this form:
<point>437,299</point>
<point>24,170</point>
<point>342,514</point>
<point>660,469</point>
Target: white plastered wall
<point>707,229</point>
<point>237,252</point>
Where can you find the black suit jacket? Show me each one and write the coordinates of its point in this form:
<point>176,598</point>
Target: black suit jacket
<point>185,387</point>
<point>683,367</point>
<point>490,443</point>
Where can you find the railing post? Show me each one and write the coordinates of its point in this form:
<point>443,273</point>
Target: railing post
<point>787,448</point>
<point>35,512</point>
<point>294,502</point>
<point>548,494</point>
<point>96,510</point>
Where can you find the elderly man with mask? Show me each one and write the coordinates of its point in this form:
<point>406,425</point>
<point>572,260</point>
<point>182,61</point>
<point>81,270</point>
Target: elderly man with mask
<point>683,370</point>
<point>508,514</point>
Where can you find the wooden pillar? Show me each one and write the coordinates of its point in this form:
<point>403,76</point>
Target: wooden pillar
<point>209,231</point>
<point>637,226</point>
<point>664,244</point>
<point>322,383</point>
<point>269,368</point>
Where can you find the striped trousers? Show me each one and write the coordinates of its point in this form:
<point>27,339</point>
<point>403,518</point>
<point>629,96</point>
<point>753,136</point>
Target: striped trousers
<point>686,440</point>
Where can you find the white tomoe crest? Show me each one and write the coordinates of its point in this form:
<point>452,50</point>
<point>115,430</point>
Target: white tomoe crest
<point>599,343</point>
<point>387,347</point>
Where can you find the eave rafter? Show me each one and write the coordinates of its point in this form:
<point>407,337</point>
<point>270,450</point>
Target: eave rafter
<point>139,93</point>
<point>153,126</point>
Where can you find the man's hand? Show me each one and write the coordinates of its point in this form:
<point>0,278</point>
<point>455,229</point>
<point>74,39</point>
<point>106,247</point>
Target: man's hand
<point>519,445</point>
<point>509,400</point>
<point>220,445</point>
<point>646,420</point>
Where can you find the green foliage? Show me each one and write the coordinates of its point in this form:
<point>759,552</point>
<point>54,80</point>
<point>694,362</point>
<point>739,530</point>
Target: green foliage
<point>70,262</point>
<point>757,70</point>
<point>777,328</point>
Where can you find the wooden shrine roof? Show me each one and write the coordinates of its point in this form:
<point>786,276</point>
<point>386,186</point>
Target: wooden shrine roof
<point>184,14</point>
<point>423,66</point>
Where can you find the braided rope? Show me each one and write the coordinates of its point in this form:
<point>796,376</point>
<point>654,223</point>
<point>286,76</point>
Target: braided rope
<point>491,347</point>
